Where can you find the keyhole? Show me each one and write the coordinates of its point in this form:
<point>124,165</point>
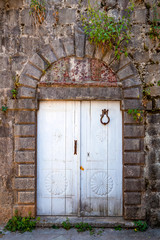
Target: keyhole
<point>88,154</point>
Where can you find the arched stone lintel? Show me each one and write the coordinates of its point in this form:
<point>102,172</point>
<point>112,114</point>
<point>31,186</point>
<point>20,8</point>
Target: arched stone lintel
<point>37,66</point>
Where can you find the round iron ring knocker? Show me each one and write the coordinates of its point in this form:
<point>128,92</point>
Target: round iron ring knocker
<point>104,112</point>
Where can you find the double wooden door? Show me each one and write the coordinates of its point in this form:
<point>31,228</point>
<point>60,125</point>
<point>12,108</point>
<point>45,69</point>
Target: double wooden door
<point>79,158</point>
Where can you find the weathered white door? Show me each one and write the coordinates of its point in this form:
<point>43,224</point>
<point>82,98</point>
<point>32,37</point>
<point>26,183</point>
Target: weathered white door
<point>101,158</point>
<point>79,159</point>
<point>57,165</point>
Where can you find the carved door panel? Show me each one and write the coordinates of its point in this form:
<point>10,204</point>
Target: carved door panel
<point>71,136</point>
<point>57,165</point>
<point>101,159</point>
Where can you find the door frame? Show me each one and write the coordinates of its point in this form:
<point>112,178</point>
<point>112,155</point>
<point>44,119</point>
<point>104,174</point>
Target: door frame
<point>79,155</point>
<point>87,94</point>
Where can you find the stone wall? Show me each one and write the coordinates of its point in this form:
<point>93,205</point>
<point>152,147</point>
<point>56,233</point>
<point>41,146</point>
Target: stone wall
<point>28,51</point>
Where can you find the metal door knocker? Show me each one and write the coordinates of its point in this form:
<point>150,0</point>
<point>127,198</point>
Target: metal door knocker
<point>104,112</point>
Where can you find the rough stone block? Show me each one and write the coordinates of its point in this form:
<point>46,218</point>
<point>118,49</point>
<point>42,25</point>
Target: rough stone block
<point>153,130</point>
<point>79,42</point>
<point>22,104</point>
<point>38,62</point>
<point>25,210</point>
<point>4,64</point>
<point>154,218</point>
<point>89,49</point>
<point>132,198</point>
<point>155,185</point>
<point>109,57</point>
<point>25,18</point>
<point>48,54</point>
<point>116,65</point>
<point>28,27</point>
<point>128,118</point>
<point>141,57</point>
<point>24,144</point>
<point>155,91</point>
<point>134,213</point>
<point>127,72</point>
<point>132,144</point>
<point>5,213</point>
<point>131,82</point>
<point>25,130</point>
<point>83,93</point>
<point>24,183</point>
<point>134,158</point>
<point>13,26</point>
<point>12,104</point>
<point>26,170</point>
<point>149,105</point>
<point>155,142</point>
<point>58,48</point>
<point>132,104</point>
<point>153,118</point>
<point>131,93</point>
<point>154,171</point>
<point>98,53</point>
<point>157,104</point>
<point>4,132</point>
<point>17,61</point>
<point>24,92</point>
<point>153,68</point>
<point>6,152</point>
<point>6,198</point>
<point>27,81</point>
<point>67,16</point>
<point>154,200</point>
<point>139,15</point>
<point>6,80</point>
<point>133,185</point>
<point>32,72</point>
<point>68,44</point>
<point>28,45</point>
<point>132,171</point>
<point>133,131</point>
<point>152,157</point>
<point>23,117</point>
<point>24,157</point>
<point>26,197</point>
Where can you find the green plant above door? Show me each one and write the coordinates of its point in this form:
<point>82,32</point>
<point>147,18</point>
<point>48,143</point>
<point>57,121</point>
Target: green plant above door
<point>108,32</point>
<point>38,10</point>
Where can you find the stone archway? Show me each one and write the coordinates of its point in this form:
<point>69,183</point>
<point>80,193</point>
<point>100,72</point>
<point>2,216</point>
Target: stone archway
<point>25,122</point>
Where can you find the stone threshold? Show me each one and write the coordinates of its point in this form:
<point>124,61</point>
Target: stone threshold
<point>106,222</point>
